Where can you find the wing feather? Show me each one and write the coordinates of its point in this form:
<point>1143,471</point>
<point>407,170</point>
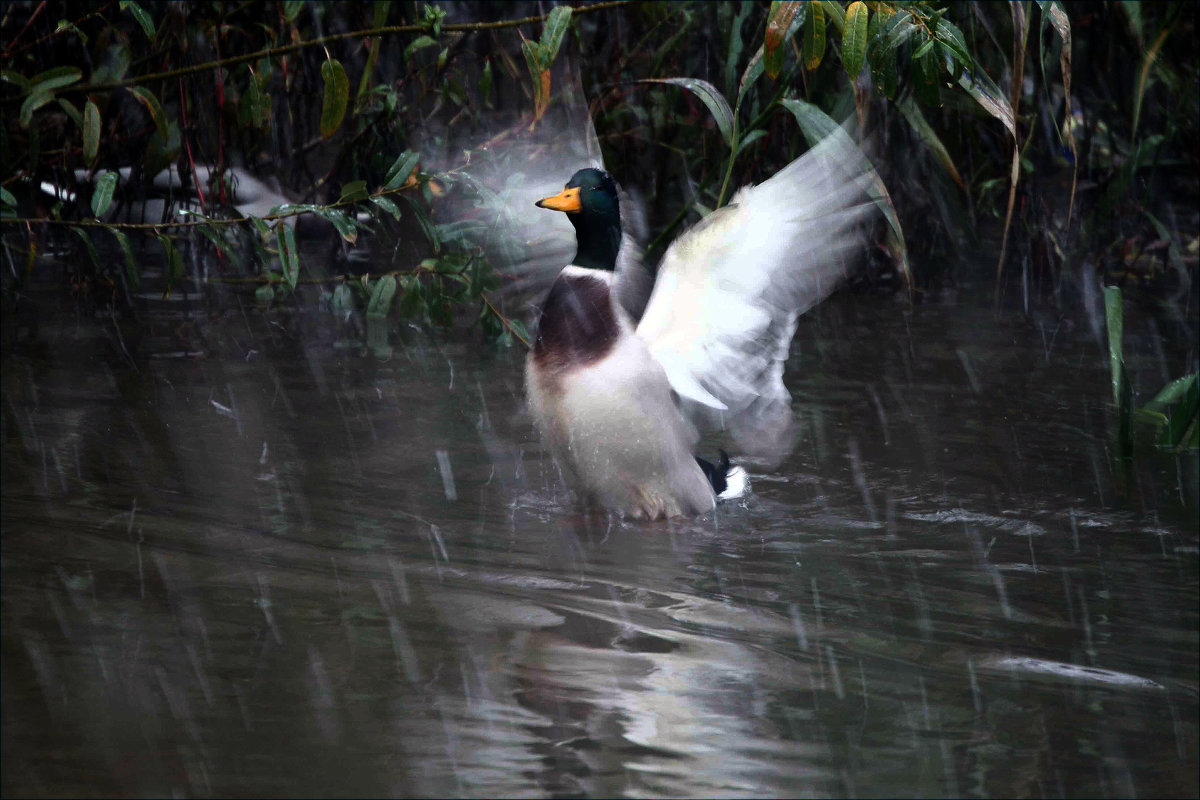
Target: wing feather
<point>729,291</point>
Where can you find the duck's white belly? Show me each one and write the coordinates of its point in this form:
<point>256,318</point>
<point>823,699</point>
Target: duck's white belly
<point>616,430</point>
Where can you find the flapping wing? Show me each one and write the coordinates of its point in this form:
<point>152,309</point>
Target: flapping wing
<point>729,291</point>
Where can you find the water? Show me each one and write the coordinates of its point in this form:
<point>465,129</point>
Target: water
<point>288,567</point>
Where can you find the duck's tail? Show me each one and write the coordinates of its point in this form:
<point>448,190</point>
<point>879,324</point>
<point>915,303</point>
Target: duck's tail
<point>728,483</point>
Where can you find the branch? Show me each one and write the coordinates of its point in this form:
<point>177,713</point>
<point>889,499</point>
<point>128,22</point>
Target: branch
<point>321,42</point>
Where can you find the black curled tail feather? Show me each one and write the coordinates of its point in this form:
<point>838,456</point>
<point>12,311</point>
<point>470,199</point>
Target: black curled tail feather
<point>715,472</point>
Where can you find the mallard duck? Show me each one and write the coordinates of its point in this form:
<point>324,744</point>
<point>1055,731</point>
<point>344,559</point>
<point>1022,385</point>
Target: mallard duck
<point>618,400</point>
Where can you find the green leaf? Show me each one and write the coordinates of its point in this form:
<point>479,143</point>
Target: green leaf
<point>919,124</point>
<point>132,272</point>
<point>1170,393</point>
<point>218,241</point>
<point>16,79</point>
<point>336,97</point>
<point>255,110</point>
<point>353,192</point>
<point>141,16</point>
<point>540,77</point>
<point>779,21</point>
<point>1184,417</point>
<point>72,112</point>
<point>401,168</point>
<point>292,8</point>
<point>264,294</point>
<point>552,34</point>
<point>102,196</point>
<point>7,198</point>
<point>925,77</point>
<point>65,25</point>
<point>387,205</point>
<point>419,43</point>
<point>88,245</point>
<point>289,256</point>
<point>952,39</point>
<point>346,227</point>
<point>485,83</point>
<point>854,38</point>
<point>711,98</point>
<point>91,132</point>
<point>174,263</point>
<point>381,296</point>
<point>147,99</point>
<point>1114,317</point>
<point>750,138</point>
<point>55,78</point>
<point>753,70</point>
<point>32,103</point>
<point>814,38</point>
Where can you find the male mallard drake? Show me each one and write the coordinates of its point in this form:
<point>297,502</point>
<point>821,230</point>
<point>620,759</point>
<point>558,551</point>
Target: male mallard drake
<point>617,400</point>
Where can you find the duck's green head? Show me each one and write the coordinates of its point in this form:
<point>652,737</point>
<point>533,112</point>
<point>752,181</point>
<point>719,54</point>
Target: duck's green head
<point>590,202</point>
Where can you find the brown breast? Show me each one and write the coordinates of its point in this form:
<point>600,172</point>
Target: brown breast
<point>577,325</point>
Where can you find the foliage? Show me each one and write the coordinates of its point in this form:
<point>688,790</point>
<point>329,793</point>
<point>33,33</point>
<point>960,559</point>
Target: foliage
<point>194,101</point>
<point>1171,420</point>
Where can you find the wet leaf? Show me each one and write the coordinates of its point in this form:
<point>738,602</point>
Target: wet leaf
<point>353,192</point>
<point>88,245</point>
<point>346,227</point>
<point>141,16</point>
<point>147,99</point>
<point>779,22</point>
<point>387,205</point>
<point>72,112</point>
<point>132,273</point>
<point>103,194</point>
<point>289,256</point>
<point>1114,317</point>
<point>32,104</point>
<point>381,296</point>
<point>174,263</point>
<point>925,78</point>
<point>814,37</point>
<point>292,8</point>
<point>708,95</point>
<point>917,120</point>
<point>485,84</point>
<point>552,34</point>
<point>216,240</point>
<point>400,170</point>
<point>65,25</point>
<point>55,78</point>
<point>91,132</point>
<point>753,70</point>
<point>335,98</point>
<point>419,43</point>
<point>854,38</point>
<point>16,79</point>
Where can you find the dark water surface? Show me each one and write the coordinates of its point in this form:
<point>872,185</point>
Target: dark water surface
<point>287,566</point>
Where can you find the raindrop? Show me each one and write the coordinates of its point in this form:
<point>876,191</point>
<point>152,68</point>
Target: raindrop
<point>834,673</point>
<point>971,377</point>
<point>798,626</point>
<point>443,459</point>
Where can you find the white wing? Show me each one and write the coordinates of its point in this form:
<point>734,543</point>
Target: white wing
<point>729,291</point>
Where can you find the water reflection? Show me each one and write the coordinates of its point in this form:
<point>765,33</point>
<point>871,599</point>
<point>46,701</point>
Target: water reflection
<point>288,568</point>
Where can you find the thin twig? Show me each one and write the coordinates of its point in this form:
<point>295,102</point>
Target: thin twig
<point>324,40</point>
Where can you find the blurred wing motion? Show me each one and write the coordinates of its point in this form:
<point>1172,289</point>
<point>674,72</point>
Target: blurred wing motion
<point>729,291</point>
